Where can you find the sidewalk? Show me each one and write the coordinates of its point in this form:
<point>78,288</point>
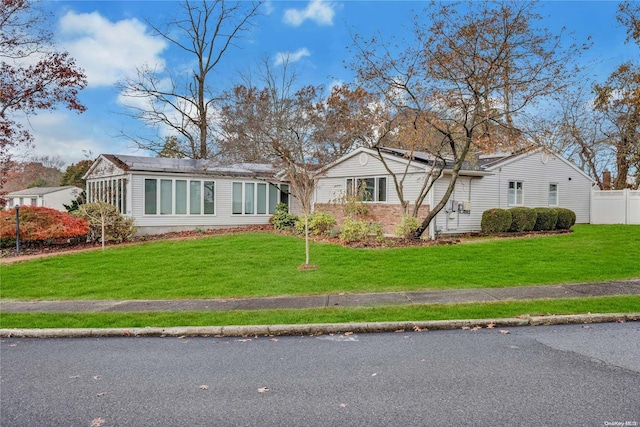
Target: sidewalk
<point>623,287</point>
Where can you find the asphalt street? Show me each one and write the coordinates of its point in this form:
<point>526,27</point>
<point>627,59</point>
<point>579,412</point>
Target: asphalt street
<point>563,375</point>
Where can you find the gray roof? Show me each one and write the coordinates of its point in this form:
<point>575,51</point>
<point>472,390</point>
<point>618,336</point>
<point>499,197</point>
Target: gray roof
<point>473,162</point>
<point>39,191</point>
<point>210,167</point>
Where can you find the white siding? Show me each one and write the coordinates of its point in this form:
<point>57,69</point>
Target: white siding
<point>222,217</point>
<point>58,199</point>
<point>536,173</point>
<point>467,189</point>
<point>331,186</point>
<point>574,191</point>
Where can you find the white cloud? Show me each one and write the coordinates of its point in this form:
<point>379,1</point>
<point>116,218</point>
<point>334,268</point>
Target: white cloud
<point>319,11</point>
<point>106,50</point>
<point>291,57</point>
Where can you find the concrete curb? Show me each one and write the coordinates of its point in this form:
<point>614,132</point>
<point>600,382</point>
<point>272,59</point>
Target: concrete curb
<point>318,328</point>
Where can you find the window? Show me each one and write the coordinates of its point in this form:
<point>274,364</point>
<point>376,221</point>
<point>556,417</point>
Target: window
<point>178,197</point>
<point>553,194</point>
<point>257,198</point>
<point>166,196</point>
<point>150,196</point>
<point>248,198</point>
<point>284,194</point>
<point>181,197</point>
<point>236,207</point>
<point>261,206</point>
<point>114,192</point>
<point>368,189</point>
<point>515,193</point>
<point>194,197</point>
<point>209,197</point>
<point>34,201</point>
<point>273,198</point>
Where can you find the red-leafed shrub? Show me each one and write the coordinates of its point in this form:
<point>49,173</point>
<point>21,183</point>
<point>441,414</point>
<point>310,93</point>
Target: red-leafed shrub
<point>39,224</point>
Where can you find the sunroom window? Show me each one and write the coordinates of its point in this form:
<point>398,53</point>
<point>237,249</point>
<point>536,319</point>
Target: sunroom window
<point>251,198</point>
<point>179,197</point>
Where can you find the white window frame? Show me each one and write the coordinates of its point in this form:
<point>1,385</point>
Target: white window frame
<point>255,197</point>
<point>353,187</point>
<point>514,201</point>
<point>188,197</point>
<point>557,202</point>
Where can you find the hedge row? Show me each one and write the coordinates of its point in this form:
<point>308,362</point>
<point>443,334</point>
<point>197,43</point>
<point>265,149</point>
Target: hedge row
<point>527,219</point>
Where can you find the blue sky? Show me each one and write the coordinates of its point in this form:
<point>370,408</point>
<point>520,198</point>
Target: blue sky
<point>109,39</point>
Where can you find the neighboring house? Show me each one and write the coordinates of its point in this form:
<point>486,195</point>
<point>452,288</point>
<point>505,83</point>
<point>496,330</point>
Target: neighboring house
<point>533,178</point>
<point>50,197</point>
<point>164,195</point>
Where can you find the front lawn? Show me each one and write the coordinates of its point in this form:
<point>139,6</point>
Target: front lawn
<point>265,264</point>
<point>410,313</point>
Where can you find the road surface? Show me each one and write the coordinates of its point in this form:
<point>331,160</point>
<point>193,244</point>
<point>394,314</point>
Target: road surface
<point>571,375</point>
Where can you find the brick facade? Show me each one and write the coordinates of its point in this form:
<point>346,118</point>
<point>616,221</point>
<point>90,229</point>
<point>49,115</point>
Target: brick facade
<point>387,215</point>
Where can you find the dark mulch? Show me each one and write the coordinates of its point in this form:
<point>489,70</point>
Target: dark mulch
<point>34,249</point>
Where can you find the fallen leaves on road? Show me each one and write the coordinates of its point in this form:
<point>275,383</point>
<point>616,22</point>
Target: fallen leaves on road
<point>73,377</point>
<point>504,331</point>
<point>476,328</point>
<point>491,325</point>
<point>343,405</point>
<point>348,333</point>
<point>204,387</point>
<point>244,340</point>
<point>104,393</point>
<point>96,422</point>
<point>263,389</point>
<point>96,377</point>
<point>274,339</point>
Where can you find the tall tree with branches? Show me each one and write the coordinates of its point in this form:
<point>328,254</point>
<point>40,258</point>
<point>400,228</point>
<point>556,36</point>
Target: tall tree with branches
<point>285,121</point>
<point>599,128</point>
<point>468,74</point>
<point>184,102</point>
<point>34,75</point>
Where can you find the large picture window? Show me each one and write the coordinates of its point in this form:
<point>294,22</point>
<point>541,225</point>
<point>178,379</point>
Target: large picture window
<point>516,195</point>
<point>368,189</point>
<point>251,198</point>
<point>179,197</point>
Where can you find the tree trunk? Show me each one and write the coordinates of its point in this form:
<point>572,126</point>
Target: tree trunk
<point>306,239</point>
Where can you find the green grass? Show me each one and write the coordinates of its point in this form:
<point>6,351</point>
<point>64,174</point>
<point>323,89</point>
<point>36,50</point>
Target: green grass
<point>611,304</point>
<point>265,264</point>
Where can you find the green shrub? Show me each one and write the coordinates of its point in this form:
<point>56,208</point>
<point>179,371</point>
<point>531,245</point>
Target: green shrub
<point>495,221</point>
<point>522,219</point>
<point>546,219</point>
<point>407,226</point>
<point>320,223</point>
<point>354,230</point>
<point>355,207</point>
<point>117,228</point>
<point>282,219</point>
<point>566,218</point>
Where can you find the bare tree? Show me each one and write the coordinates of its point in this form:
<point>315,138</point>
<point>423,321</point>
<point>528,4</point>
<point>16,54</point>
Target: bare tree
<point>466,77</point>
<point>600,128</point>
<point>286,123</point>
<point>184,102</point>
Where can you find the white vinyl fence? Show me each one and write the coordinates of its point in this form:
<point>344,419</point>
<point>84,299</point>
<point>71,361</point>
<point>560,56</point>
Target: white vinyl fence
<point>615,207</point>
